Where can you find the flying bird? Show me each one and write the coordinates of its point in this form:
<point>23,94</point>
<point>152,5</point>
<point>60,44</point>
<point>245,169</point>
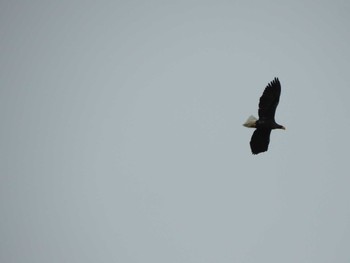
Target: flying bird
<point>267,107</point>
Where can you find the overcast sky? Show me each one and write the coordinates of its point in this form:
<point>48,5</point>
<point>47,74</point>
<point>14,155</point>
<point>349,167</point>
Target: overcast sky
<point>121,133</point>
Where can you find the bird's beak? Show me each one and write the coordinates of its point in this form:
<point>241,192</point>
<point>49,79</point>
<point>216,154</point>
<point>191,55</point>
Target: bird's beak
<point>284,128</point>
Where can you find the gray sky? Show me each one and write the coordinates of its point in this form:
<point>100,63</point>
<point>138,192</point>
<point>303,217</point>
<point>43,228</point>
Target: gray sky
<point>122,137</point>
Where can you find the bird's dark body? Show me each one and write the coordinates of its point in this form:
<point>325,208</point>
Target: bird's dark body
<point>267,107</point>
<point>267,124</point>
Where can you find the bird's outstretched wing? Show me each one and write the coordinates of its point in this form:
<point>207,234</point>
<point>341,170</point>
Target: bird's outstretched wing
<point>260,140</point>
<point>269,100</point>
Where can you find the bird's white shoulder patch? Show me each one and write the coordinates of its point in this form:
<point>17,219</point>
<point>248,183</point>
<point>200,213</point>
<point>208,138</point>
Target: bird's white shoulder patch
<point>250,122</point>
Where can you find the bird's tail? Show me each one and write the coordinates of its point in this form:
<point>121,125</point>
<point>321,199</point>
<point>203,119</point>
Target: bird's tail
<point>250,122</point>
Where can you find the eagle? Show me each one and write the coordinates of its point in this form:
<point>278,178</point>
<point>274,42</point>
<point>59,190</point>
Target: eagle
<point>267,107</point>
